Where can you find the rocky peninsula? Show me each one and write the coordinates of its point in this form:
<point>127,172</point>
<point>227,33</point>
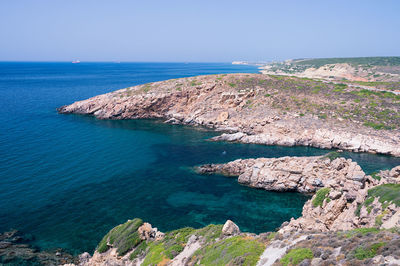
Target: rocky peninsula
<point>262,109</point>
<point>343,195</point>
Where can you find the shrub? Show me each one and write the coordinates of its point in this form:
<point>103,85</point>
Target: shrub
<point>375,175</point>
<point>362,252</point>
<point>297,255</point>
<point>230,251</point>
<point>385,193</point>
<point>123,237</point>
<point>320,196</point>
<point>362,231</point>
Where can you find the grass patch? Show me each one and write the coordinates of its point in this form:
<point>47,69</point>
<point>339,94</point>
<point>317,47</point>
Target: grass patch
<point>146,88</point>
<point>377,126</point>
<point>362,252</point>
<point>140,250</point>
<point>362,231</point>
<point>332,155</point>
<point>320,196</point>
<point>389,193</point>
<point>297,255</point>
<point>172,244</point>
<point>235,250</point>
<point>194,83</point>
<point>123,237</point>
<point>232,85</point>
<point>376,176</point>
<point>272,235</point>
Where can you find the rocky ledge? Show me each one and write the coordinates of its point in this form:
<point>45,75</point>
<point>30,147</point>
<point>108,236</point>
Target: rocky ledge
<point>262,109</point>
<point>344,197</point>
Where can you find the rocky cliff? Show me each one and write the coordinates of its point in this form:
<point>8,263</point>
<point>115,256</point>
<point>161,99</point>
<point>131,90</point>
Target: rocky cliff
<point>262,109</point>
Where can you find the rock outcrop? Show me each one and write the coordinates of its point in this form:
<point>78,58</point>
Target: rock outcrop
<point>254,108</point>
<point>302,174</point>
<point>230,229</point>
<point>343,198</point>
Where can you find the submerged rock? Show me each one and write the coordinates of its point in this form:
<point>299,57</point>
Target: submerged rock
<point>16,249</point>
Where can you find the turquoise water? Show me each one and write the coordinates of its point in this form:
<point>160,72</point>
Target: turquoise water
<point>68,179</point>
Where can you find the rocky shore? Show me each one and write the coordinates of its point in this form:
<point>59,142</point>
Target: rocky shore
<point>255,108</point>
<point>351,219</point>
<point>16,249</point>
<point>344,197</point>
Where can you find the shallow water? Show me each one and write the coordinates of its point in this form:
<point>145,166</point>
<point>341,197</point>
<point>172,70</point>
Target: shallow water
<point>68,179</point>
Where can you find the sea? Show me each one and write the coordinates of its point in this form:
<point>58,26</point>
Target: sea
<point>68,179</point>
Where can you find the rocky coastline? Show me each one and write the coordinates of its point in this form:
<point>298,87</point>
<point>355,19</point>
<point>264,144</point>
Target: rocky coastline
<point>348,221</point>
<point>252,108</point>
<point>339,187</point>
<point>351,219</point>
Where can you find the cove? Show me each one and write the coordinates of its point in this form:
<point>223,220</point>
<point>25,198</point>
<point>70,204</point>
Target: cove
<point>68,179</point>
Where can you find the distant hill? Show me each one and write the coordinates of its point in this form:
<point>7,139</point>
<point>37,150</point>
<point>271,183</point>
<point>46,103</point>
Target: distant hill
<point>363,69</point>
<point>372,61</point>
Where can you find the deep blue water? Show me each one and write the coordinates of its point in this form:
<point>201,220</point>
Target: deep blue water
<point>68,179</point>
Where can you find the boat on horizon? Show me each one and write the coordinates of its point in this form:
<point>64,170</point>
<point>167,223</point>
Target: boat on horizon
<point>76,62</point>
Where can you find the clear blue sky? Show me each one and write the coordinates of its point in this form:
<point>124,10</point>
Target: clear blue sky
<point>196,30</point>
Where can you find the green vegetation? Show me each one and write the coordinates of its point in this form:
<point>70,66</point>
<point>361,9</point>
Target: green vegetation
<point>362,231</point>
<point>140,250</point>
<point>297,255</point>
<point>320,196</point>
<point>174,242</point>
<point>332,155</point>
<point>146,88</point>
<point>235,250</point>
<point>339,87</point>
<point>376,126</point>
<point>232,85</point>
<point>272,235</point>
<point>389,193</point>
<point>362,252</point>
<point>194,83</point>
<point>166,249</point>
<point>386,194</point>
<point>369,61</point>
<point>376,176</point>
<point>123,237</point>
<point>378,219</point>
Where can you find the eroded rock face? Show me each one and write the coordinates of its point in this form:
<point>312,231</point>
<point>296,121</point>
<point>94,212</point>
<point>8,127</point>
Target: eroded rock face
<point>215,102</point>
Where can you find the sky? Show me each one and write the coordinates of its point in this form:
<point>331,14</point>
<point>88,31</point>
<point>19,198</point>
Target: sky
<point>196,31</point>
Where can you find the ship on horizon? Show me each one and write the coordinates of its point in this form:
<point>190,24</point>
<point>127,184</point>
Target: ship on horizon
<point>76,62</point>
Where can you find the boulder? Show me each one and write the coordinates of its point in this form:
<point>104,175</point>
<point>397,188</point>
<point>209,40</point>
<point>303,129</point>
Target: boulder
<point>230,229</point>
